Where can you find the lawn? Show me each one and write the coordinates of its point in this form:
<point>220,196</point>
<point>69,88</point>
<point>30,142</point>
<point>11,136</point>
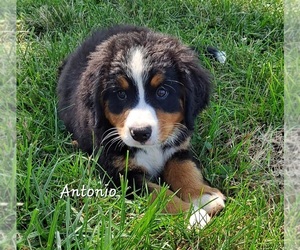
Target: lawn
<point>238,138</point>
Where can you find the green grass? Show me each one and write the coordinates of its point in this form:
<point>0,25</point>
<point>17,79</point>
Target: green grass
<point>238,139</point>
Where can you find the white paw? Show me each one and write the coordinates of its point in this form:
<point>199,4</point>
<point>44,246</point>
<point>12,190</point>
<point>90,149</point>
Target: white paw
<point>199,218</point>
<point>211,203</point>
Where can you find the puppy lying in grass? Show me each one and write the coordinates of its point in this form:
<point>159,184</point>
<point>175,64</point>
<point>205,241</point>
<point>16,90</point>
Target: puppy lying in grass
<point>129,89</point>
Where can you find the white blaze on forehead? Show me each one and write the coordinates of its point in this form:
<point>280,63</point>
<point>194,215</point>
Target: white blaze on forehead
<point>137,65</point>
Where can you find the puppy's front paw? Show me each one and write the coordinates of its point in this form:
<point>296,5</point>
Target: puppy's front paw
<point>212,203</point>
<point>199,218</point>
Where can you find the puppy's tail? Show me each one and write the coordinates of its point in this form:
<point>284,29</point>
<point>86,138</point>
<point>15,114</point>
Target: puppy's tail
<point>212,52</point>
<point>217,54</point>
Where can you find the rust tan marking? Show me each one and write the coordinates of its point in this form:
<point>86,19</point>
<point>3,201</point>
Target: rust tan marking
<point>167,123</point>
<point>175,205</point>
<point>123,82</point>
<point>186,178</point>
<point>120,163</point>
<point>117,120</point>
<point>156,80</point>
<point>75,143</point>
<point>185,145</point>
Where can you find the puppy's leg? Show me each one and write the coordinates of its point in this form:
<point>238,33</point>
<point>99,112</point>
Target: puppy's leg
<point>176,205</point>
<point>184,177</point>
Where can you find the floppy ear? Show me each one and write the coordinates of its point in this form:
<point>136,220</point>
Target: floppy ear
<point>99,110</point>
<point>92,86</point>
<point>197,91</point>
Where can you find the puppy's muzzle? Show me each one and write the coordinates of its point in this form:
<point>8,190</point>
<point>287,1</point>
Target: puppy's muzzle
<point>141,134</point>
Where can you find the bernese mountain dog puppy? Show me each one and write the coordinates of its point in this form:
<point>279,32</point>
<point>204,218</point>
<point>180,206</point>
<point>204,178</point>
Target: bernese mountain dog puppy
<point>129,89</point>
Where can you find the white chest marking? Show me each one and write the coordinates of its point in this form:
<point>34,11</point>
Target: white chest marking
<point>153,159</point>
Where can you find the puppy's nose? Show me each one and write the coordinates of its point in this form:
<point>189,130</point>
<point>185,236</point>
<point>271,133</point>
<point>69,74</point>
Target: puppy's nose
<point>141,134</point>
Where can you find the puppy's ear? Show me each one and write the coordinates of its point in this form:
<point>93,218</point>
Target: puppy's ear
<point>90,95</point>
<point>197,91</point>
<point>99,109</point>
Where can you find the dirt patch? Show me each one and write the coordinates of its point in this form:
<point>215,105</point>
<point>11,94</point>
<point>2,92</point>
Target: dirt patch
<point>267,150</point>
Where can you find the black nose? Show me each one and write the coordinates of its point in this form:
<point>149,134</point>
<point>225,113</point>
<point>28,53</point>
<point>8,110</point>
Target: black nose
<point>141,134</point>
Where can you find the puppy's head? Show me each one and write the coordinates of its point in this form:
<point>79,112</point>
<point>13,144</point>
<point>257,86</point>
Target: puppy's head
<point>148,86</point>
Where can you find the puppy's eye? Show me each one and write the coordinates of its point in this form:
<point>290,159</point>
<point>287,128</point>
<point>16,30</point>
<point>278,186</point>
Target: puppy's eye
<point>162,93</point>
<point>121,95</point>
